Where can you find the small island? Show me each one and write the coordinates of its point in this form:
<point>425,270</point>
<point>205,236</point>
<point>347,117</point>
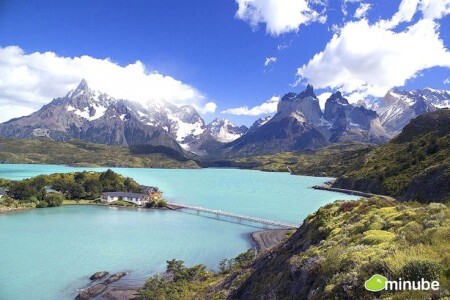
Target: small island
<point>87,187</point>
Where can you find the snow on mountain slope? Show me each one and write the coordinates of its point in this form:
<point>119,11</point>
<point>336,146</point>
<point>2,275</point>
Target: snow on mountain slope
<point>260,122</point>
<point>224,131</point>
<point>398,107</point>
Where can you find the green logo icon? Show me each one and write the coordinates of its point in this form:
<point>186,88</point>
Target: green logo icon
<point>376,283</point>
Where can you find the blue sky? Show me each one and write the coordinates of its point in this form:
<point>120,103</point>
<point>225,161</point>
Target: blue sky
<point>216,50</point>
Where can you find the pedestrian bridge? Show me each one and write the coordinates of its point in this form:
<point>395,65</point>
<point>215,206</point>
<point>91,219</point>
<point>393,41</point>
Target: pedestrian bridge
<point>238,217</point>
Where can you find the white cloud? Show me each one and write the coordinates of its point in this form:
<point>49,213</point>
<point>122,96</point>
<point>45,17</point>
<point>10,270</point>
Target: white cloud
<point>209,107</point>
<point>270,60</point>
<point>371,59</point>
<point>29,80</point>
<point>405,13</point>
<point>268,107</point>
<point>430,9</point>
<point>280,16</point>
<point>323,99</point>
<point>447,80</point>
<point>434,9</point>
<point>362,10</point>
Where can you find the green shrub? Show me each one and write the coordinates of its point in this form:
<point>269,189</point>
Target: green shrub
<point>41,204</point>
<point>373,237</point>
<point>415,270</point>
<point>7,201</point>
<point>156,203</point>
<point>54,199</point>
<point>121,203</point>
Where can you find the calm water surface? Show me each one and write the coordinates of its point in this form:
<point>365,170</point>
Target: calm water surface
<point>50,253</point>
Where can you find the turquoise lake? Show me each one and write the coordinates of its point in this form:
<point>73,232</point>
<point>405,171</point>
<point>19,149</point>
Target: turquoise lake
<point>50,253</point>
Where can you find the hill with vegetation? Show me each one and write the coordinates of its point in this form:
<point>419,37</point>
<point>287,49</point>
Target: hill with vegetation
<point>80,153</point>
<point>333,160</point>
<point>413,166</point>
<point>330,256</point>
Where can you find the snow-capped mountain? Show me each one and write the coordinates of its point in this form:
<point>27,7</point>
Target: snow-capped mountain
<point>398,107</point>
<point>224,131</point>
<point>93,116</point>
<point>438,98</point>
<point>260,122</point>
<point>300,124</point>
<point>346,122</point>
<point>179,122</point>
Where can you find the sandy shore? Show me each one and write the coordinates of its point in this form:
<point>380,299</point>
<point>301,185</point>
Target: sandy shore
<point>267,239</point>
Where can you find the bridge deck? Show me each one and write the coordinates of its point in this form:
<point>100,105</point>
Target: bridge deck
<point>233,215</point>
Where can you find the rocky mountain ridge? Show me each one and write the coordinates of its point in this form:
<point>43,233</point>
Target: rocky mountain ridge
<point>90,115</point>
<point>298,124</point>
<point>398,107</point>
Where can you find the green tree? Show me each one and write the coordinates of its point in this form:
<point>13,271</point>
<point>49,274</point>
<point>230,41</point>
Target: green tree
<point>80,177</point>
<point>41,204</point>
<point>92,187</point>
<point>174,266</point>
<point>111,181</point>
<point>75,191</point>
<point>54,199</point>
<point>22,190</point>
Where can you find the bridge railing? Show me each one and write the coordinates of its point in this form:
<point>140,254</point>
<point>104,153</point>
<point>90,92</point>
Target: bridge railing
<point>233,215</point>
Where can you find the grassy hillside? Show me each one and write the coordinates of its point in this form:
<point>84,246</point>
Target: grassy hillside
<point>80,153</point>
<point>413,166</point>
<point>333,160</point>
<point>331,256</point>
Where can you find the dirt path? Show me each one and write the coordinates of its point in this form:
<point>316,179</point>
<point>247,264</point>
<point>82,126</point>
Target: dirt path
<point>268,238</point>
<point>327,187</point>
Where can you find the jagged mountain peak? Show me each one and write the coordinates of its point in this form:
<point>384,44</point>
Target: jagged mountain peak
<point>220,121</point>
<point>304,106</point>
<point>291,96</point>
<point>83,85</point>
<point>81,89</point>
<point>260,122</point>
<point>309,91</point>
<point>337,97</point>
<point>398,106</point>
<point>224,131</point>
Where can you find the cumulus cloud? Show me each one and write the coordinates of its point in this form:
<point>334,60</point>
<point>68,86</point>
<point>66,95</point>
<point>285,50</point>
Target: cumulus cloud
<point>279,16</point>
<point>29,80</point>
<point>362,10</point>
<point>447,80</point>
<point>371,59</point>
<point>268,107</point>
<point>209,107</point>
<point>270,60</point>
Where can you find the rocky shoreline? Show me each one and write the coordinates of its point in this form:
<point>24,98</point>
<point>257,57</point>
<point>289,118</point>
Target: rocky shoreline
<point>99,289</point>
